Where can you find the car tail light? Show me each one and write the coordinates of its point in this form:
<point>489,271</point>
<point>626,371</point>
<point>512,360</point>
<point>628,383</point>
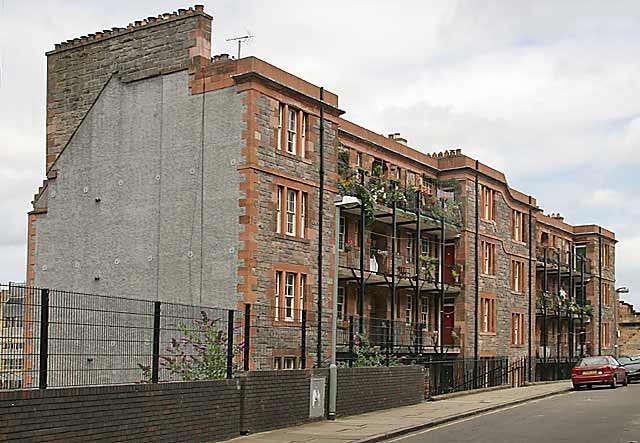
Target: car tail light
<point>607,369</point>
<point>575,371</point>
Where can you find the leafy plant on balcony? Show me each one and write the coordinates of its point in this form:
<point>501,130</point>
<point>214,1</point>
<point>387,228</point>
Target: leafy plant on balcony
<point>428,266</point>
<point>374,191</point>
<point>369,356</point>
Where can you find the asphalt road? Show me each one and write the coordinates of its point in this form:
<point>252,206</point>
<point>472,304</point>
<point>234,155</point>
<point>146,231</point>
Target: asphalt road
<point>600,415</point>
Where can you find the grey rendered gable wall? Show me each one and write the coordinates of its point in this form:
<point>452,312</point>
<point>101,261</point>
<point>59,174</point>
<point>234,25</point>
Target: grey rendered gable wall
<point>142,151</point>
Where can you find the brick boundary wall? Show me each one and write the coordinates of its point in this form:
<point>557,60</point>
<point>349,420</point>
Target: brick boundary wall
<point>171,412</point>
<point>197,411</point>
<point>277,399</point>
<point>363,390</point>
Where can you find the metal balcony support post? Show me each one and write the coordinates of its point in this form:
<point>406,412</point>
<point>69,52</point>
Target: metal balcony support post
<point>545,286</point>
<point>571,299</point>
<point>558,312</point>
<point>394,233</point>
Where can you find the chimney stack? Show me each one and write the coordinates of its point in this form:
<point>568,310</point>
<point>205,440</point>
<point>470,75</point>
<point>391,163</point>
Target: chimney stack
<point>396,136</point>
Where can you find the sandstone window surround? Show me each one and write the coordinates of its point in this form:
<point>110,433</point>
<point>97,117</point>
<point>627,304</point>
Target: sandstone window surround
<point>291,212</point>
<point>517,329</point>
<point>517,276</point>
<point>487,314</point>
<point>488,263</point>
<point>487,203</point>
<point>289,296</point>
<point>292,131</point>
<point>517,226</point>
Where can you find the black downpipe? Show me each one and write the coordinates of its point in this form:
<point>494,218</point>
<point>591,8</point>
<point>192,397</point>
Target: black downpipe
<point>583,301</point>
<point>417,246</point>
<point>530,323</point>
<point>476,355</point>
<point>362,253</point>
<point>320,233</point>
<point>559,321</point>
<point>600,293</point>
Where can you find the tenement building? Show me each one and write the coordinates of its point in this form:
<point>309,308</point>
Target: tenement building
<point>179,177</point>
<point>629,326</point>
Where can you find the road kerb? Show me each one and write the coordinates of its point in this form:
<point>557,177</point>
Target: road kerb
<point>451,418</point>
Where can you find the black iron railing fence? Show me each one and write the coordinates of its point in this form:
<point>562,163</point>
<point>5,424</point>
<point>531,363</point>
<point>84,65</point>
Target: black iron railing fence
<point>551,369</point>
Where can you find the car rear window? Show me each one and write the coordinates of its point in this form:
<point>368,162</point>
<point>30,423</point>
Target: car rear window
<point>625,360</point>
<point>592,361</point>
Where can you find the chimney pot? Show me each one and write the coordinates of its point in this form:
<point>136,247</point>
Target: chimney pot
<point>199,8</point>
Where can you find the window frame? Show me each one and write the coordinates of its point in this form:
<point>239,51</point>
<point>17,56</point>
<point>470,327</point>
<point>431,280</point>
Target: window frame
<point>488,203</point>
<point>488,256</point>
<point>517,276</point>
<point>341,294</point>
<point>487,310</point>
<point>517,329</point>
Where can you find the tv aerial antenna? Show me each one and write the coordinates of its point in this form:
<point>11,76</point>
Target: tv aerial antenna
<point>241,40</point>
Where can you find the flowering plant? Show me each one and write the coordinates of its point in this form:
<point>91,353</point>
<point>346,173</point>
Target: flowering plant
<point>349,245</point>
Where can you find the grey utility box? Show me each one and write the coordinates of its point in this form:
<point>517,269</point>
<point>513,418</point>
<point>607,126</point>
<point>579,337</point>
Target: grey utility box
<point>316,397</point>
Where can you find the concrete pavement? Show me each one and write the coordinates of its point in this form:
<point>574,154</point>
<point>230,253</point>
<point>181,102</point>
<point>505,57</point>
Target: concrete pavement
<point>382,425</point>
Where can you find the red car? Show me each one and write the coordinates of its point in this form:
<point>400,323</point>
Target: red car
<point>604,370</point>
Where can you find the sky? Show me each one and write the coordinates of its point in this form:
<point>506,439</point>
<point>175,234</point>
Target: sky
<point>547,92</point>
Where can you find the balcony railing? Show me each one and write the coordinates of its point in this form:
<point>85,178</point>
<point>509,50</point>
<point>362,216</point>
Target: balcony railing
<point>379,194</point>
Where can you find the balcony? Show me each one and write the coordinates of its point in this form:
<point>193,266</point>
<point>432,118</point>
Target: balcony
<point>440,202</point>
<point>565,263</point>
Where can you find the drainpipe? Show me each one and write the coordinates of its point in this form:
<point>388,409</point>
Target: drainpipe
<point>559,321</point>
<point>600,293</point>
<point>320,233</point>
<point>529,353</point>
<point>362,253</point>
<point>442,254</point>
<point>417,247</point>
<point>477,279</point>
<point>583,296</point>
